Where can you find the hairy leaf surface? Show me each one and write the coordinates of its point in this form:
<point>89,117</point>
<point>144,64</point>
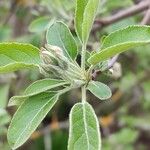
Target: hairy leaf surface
<point>79,12</point>
<point>28,116</point>
<point>99,89</point>
<point>59,35</point>
<point>84,17</point>
<point>84,128</point>
<point>36,88</point>
<point>88,18</point>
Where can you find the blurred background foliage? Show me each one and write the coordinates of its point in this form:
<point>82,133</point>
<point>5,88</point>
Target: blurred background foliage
<point>124,119</point>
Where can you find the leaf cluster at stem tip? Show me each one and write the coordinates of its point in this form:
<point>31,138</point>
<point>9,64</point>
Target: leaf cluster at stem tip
<point>57,62</point>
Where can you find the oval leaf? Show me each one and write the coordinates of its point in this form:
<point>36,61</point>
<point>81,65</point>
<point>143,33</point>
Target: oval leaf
<point>84,128</point>
<point>40,24</point>
<point>28,117</point>
<point>99,89</point>
<point>120,41</point>
<point>59,35</point>
<point>15,56</point>
<point>36,88</point>
<point>84,17</point>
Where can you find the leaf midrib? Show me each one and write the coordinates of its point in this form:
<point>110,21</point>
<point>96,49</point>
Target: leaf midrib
<point>85,124</point>
<point>32,120</point>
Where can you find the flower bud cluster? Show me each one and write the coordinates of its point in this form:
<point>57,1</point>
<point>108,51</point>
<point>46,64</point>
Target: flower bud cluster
<point>56,64</point>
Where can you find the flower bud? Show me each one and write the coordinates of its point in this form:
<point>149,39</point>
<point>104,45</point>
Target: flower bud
<point>48,57</point>
<point>45,56</point>
<point>58,54</point>
<point>54,49</point>
<point>51,70</point>
<point>55,63</point>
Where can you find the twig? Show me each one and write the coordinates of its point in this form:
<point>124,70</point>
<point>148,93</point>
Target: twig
<point>99,24</point>
<point>146,18</point>
<point>11,12</point>
<point>112,61</point>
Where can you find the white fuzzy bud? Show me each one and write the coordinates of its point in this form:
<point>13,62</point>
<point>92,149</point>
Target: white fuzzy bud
<point>55,49</point>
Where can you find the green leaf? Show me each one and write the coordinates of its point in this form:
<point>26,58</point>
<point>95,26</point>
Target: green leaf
<point>15,56</point>
<point>84,131</point>
<point>36,88</point>
<point>59,35</point>
<point>99,89</point>
<point>120,41</point>
<point>84,17</point>
<point>28,116</point>
<point>40,24</point>
<point>88,18</point>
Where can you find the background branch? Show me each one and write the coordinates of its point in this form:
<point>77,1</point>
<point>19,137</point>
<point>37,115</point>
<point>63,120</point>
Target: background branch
<point>146,18</point>
<point>100,23</point>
